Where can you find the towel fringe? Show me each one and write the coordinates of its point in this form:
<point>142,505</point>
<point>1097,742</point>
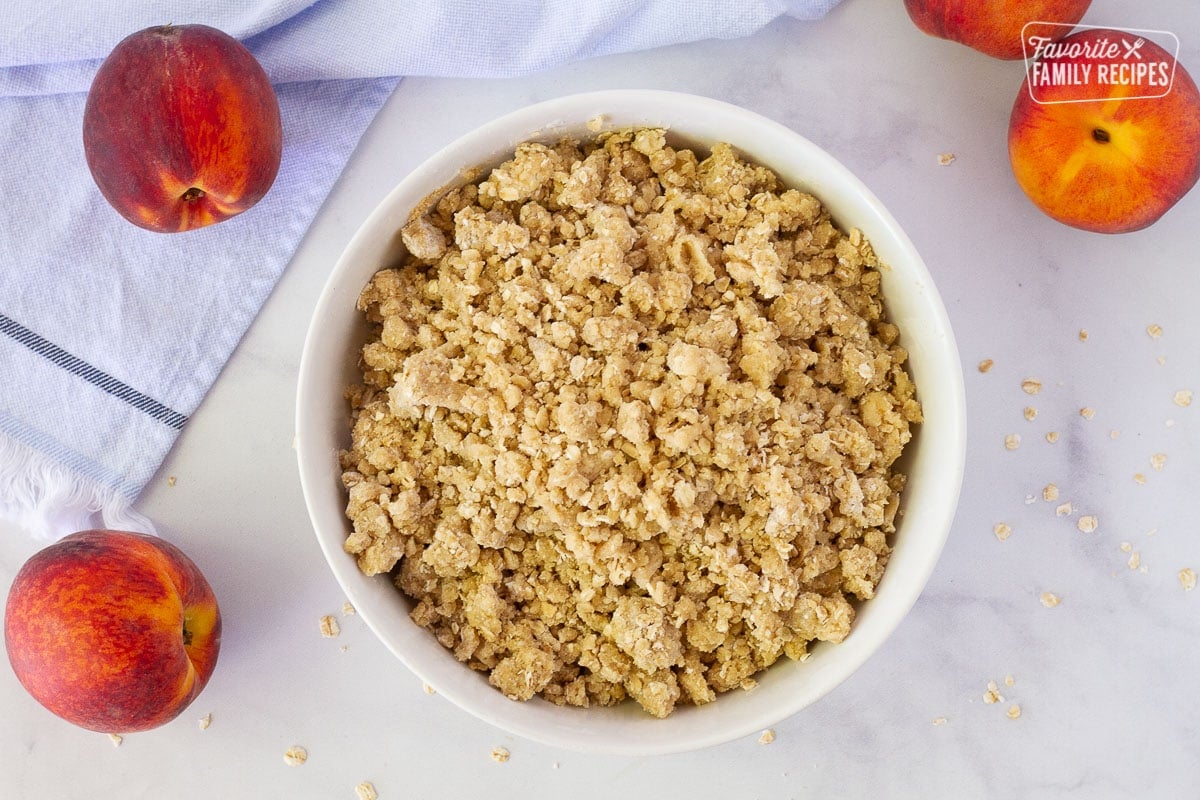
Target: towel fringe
<point>50,501</point>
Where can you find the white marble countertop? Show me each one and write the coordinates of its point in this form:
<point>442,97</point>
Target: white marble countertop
<point>1105,680</point>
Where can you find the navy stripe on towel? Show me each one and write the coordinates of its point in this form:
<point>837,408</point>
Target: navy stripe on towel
<point>102,380</point>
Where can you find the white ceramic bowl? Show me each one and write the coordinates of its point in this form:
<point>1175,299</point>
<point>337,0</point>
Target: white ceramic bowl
<point>934,459</point>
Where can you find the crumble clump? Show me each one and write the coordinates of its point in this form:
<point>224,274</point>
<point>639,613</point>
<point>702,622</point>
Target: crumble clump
<point>627,423</point>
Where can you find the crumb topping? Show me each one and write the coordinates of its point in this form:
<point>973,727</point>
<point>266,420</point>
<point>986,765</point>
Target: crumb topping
<point>627,423</point>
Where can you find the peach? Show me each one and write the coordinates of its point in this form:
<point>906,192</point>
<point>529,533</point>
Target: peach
<point>181,128</point>
<point>112,631</point>
<point>1093,144</point>
<point>993,26</point>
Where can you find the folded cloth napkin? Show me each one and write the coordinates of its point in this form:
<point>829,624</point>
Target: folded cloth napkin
<point>111,335</point>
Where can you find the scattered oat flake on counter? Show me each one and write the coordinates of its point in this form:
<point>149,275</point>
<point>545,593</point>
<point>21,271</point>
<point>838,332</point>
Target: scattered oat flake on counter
<point>1014,711</point>
<point>205,721</point>
<point>1052,437</point>
<point>1113,434</point>
<point>171,480</point>
<point>986,365</point>
<point>329,626</point>
<point>500,754</point>
<point>1158,461</point>
<point>1187,578</point>
<point>428,689</point>
<point>295,756</point>
<point>1050,599</point>
<point>348,610</point>
<point>366,791</point>
<point>1002,531</point>
<point>1087,412</point>
<point>1064,510</point>
<point>1030,413</point>
<point>767,737</point>
<point>1009,680</point>
<point>1031,386</point>
<point>1155,331</point>
<point>992,695</point>
<point>116,739</point>
<point>1012,441</point>
<point>939,721</point>
<point>1183,398</point>
<point>1139,478</point>
<point>1083,334</point>
<point>1050,493</point>
<point>1088,524</point>
<point>1135,560</point>
<point>946,159</point>
<point>1161,360</point>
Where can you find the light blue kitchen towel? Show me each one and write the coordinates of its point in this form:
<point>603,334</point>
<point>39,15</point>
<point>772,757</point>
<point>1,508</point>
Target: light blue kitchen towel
<point>110,335</point>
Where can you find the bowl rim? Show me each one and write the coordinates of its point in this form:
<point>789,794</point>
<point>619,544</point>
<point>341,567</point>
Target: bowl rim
<point>573,111</point>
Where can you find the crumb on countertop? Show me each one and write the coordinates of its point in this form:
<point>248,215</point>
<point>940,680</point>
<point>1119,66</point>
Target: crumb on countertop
<point>1187,578</point>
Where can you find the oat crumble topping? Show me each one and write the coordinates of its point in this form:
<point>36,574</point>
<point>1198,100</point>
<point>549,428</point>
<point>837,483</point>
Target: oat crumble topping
<point>627,423</point>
